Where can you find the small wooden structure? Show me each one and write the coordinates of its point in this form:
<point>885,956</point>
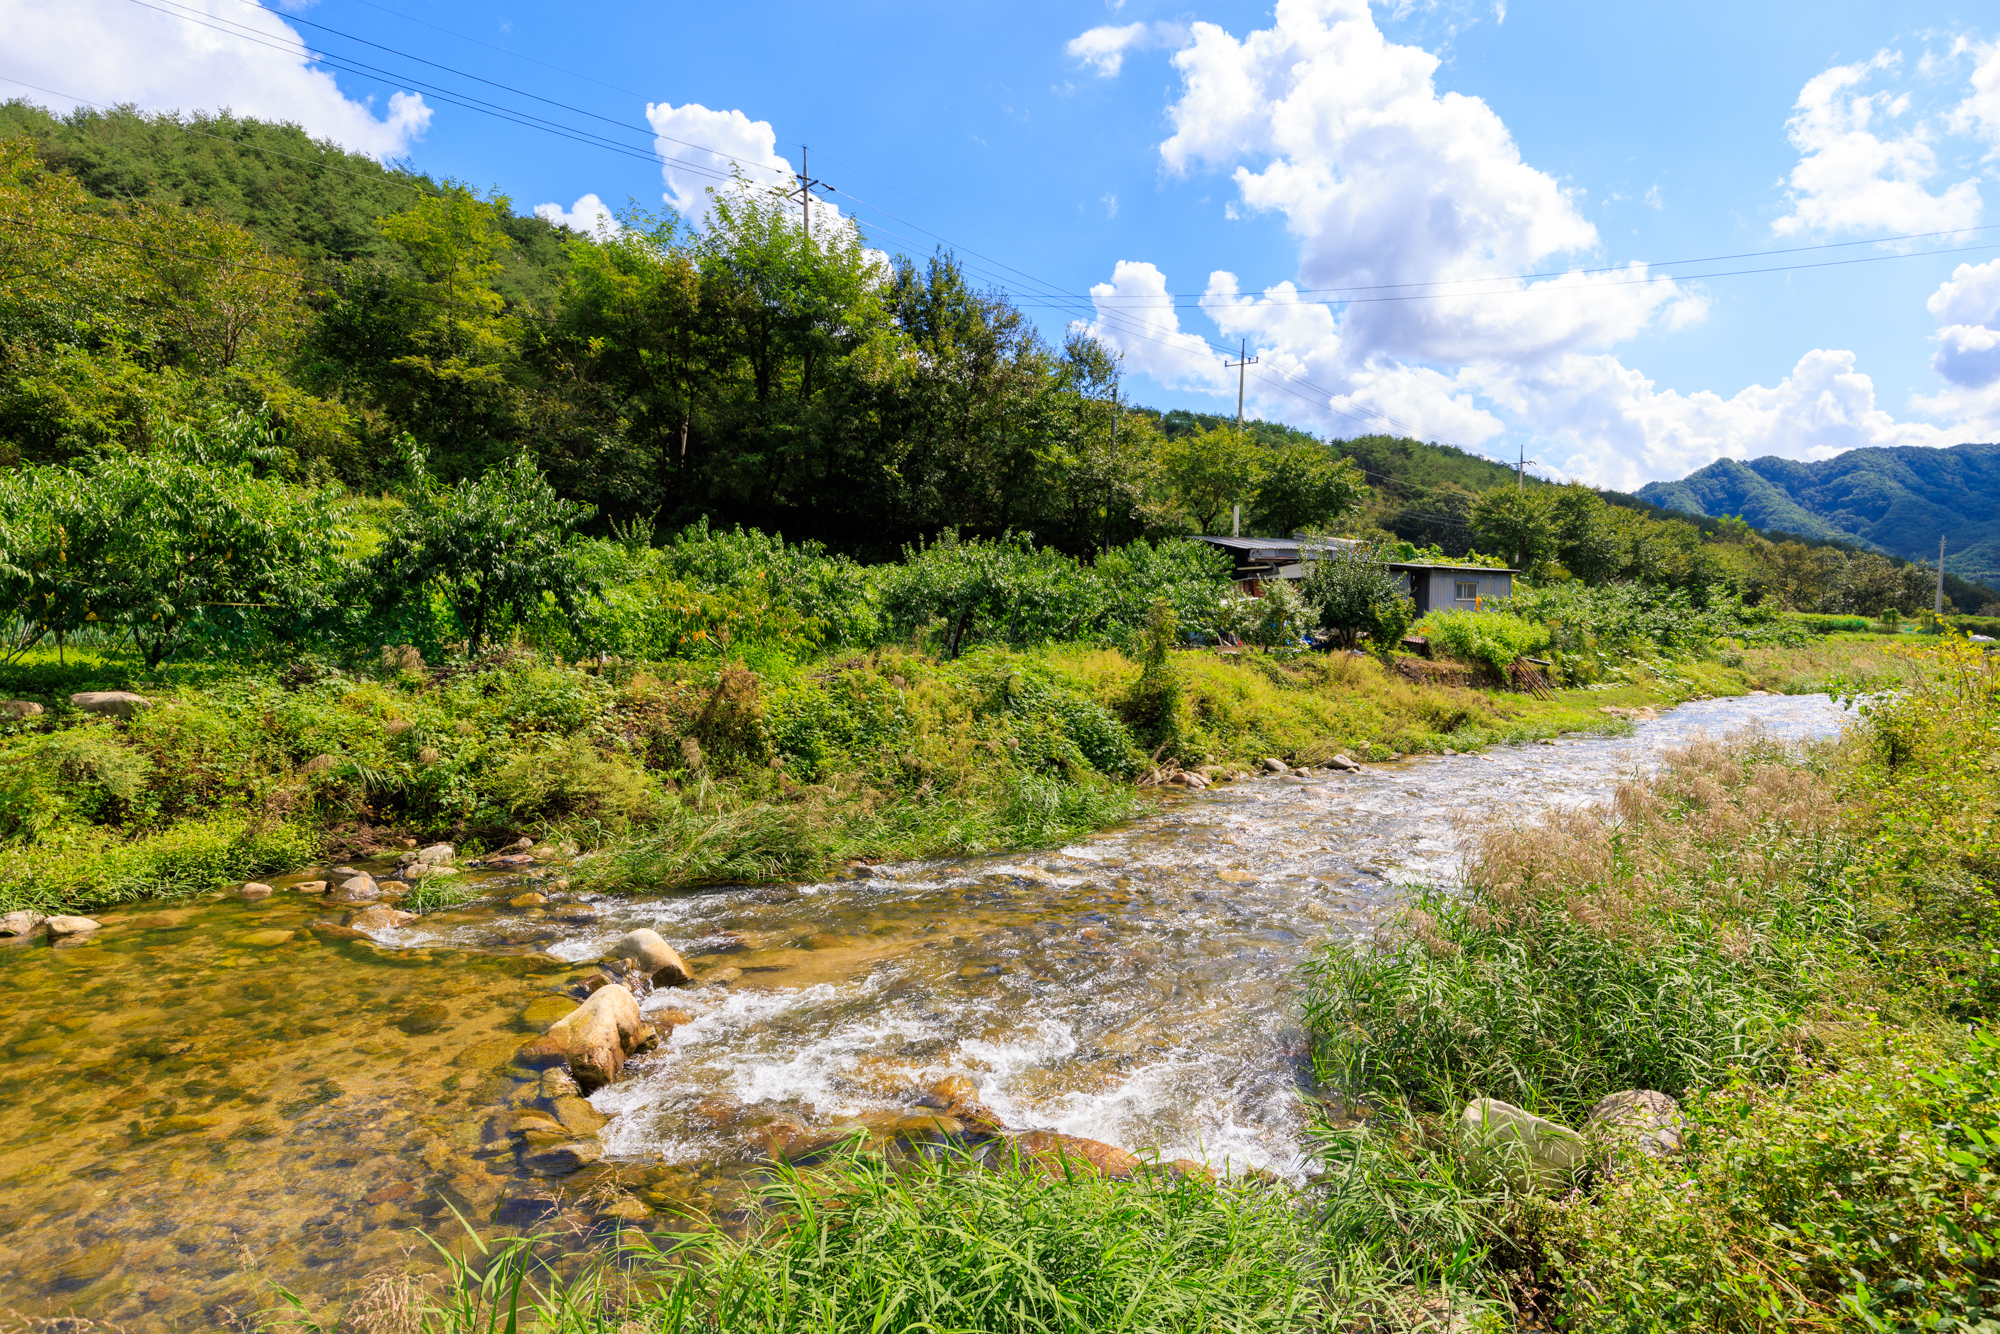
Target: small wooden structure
<point>1258,560</point>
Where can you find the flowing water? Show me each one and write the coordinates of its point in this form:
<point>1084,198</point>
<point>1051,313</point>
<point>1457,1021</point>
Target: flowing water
<point>203,1100</point>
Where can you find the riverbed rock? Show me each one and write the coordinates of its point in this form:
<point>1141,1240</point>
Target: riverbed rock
<point>1637,715</point>
<point>70,926</point>
<point>392,888</point>
<point>958,1098</point>
<point>528,900</point>
<point>359,889</point>
<point>19,710</point>
<point>1061,1156</point>
<point>1343,762</point>
<point>578,1116</point>
<point>1274,766</point>
<point>438,854</point>
<point>381,917</point>
<point>252,889</point>
<point>593,1039</point>
<point>22,923</point>
<point>1643,1119</point>
<point>310,887</point>
<point>560,1160</point>
<point>1504,1138</point>
<point>722,977</point>
<point>110,703</point>
<point>654,956</point>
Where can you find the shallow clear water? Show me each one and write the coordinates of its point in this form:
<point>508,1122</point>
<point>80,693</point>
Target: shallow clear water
<point>1136,987</point>
<point>207,1098</point>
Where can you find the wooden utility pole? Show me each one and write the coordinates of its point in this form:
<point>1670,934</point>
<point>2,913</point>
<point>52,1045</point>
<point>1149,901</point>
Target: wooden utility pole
<point>805,188</point>
<point>1521,468</point>
<point>1242,364</point>
<point>1939,606</point>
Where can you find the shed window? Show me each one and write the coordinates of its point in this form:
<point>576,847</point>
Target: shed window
<point>1465,590</point>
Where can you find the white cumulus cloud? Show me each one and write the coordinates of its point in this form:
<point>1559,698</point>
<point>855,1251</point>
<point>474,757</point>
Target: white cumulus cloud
<point>1104,48</point>
<point>251,62</point>
<point>1857,171</point>
<point>587,215</point>
<point>1415,217</point>
<point>1967,309</point>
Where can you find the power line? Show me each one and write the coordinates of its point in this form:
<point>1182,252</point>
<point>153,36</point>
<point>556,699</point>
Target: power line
<point>1651,264</point>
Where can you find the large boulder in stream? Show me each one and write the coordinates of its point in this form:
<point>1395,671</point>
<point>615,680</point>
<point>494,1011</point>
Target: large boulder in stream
<point>656,958</point>
<point>593,1039</point>
<point>21,923</point>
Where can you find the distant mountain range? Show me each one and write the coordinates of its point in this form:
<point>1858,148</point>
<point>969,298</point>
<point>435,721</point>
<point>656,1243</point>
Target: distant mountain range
<point>1896,500</point>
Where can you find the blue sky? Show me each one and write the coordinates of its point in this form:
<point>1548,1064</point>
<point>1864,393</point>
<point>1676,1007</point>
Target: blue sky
<point>1178,177</point>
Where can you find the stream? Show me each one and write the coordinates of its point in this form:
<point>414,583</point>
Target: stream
<point>204,1099</point>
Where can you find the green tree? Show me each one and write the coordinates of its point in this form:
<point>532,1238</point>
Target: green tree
<point>182,543</point>
<point>1356,593</point>
<point>1209,471</point>
<point>1520,524</point>
<point>1305,486</point>
<point>494,548</point>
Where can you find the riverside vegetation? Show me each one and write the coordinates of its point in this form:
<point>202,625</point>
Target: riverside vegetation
<point>444,524</point>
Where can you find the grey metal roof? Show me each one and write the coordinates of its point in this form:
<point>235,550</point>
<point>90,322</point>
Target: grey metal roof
<point>1285,550</point>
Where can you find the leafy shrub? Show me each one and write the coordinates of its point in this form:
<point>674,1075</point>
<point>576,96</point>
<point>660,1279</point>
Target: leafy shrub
<point>570,779</point>
<point>856,716</point>
<point>1493,639</point>
<point>83,774</point>
<point>1355,593</point>
<point>1862,1198</point>
<point>1826,625</point>
<point>1053,723</point>
<point>1011,592</point>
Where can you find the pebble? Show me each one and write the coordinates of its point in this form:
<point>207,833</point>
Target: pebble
<point>70,926</point>
<point>253,890</point>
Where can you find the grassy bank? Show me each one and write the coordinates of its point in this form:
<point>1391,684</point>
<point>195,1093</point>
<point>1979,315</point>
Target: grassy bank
<point>687,772</point>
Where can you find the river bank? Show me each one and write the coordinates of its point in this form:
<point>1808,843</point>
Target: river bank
<point>696,774</point>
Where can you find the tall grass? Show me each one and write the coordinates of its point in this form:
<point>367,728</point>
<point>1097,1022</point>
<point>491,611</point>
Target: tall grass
<point>1665,943</point>
<point>868,1244</point>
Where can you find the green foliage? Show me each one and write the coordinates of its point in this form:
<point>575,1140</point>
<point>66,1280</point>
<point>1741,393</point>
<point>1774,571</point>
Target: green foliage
<point>1208,471</point>
<point>189,858</point>
<point>568,779</point>
<point>1012,592</point>
<point>1492,639</point>
<point>1307,486</point>
<point>1356,593</point>
<point>494,549</point>
<point>183,545</point>
<point>1867,1196</point>
<point>1284,618</point>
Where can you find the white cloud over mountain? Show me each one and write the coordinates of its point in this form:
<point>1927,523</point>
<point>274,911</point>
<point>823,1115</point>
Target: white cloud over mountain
<point>587,215</point>
<point>250,62</point>
<point>1414,214</point>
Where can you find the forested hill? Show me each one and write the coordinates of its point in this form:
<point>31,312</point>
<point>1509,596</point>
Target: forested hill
<point>1897,500</point>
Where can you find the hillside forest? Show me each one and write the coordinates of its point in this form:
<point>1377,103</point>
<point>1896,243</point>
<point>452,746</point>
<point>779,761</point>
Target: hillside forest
<point>385,331</point>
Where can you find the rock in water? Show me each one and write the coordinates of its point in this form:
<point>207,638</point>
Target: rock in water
<point>1060,1155</point>
<point>110,703</point>
<point>1276,766</point>
<point>380,918</point>
<point>1648,1121</point>
<point>22,923</point>
<point>70,926</point>
<point>1343,762</point>
<point>654,956</point>
<point>1504,1138</point>
<point>253,890</point>
<point>360,889</point>
<point>594,1038</point>
<point>438,854</point>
